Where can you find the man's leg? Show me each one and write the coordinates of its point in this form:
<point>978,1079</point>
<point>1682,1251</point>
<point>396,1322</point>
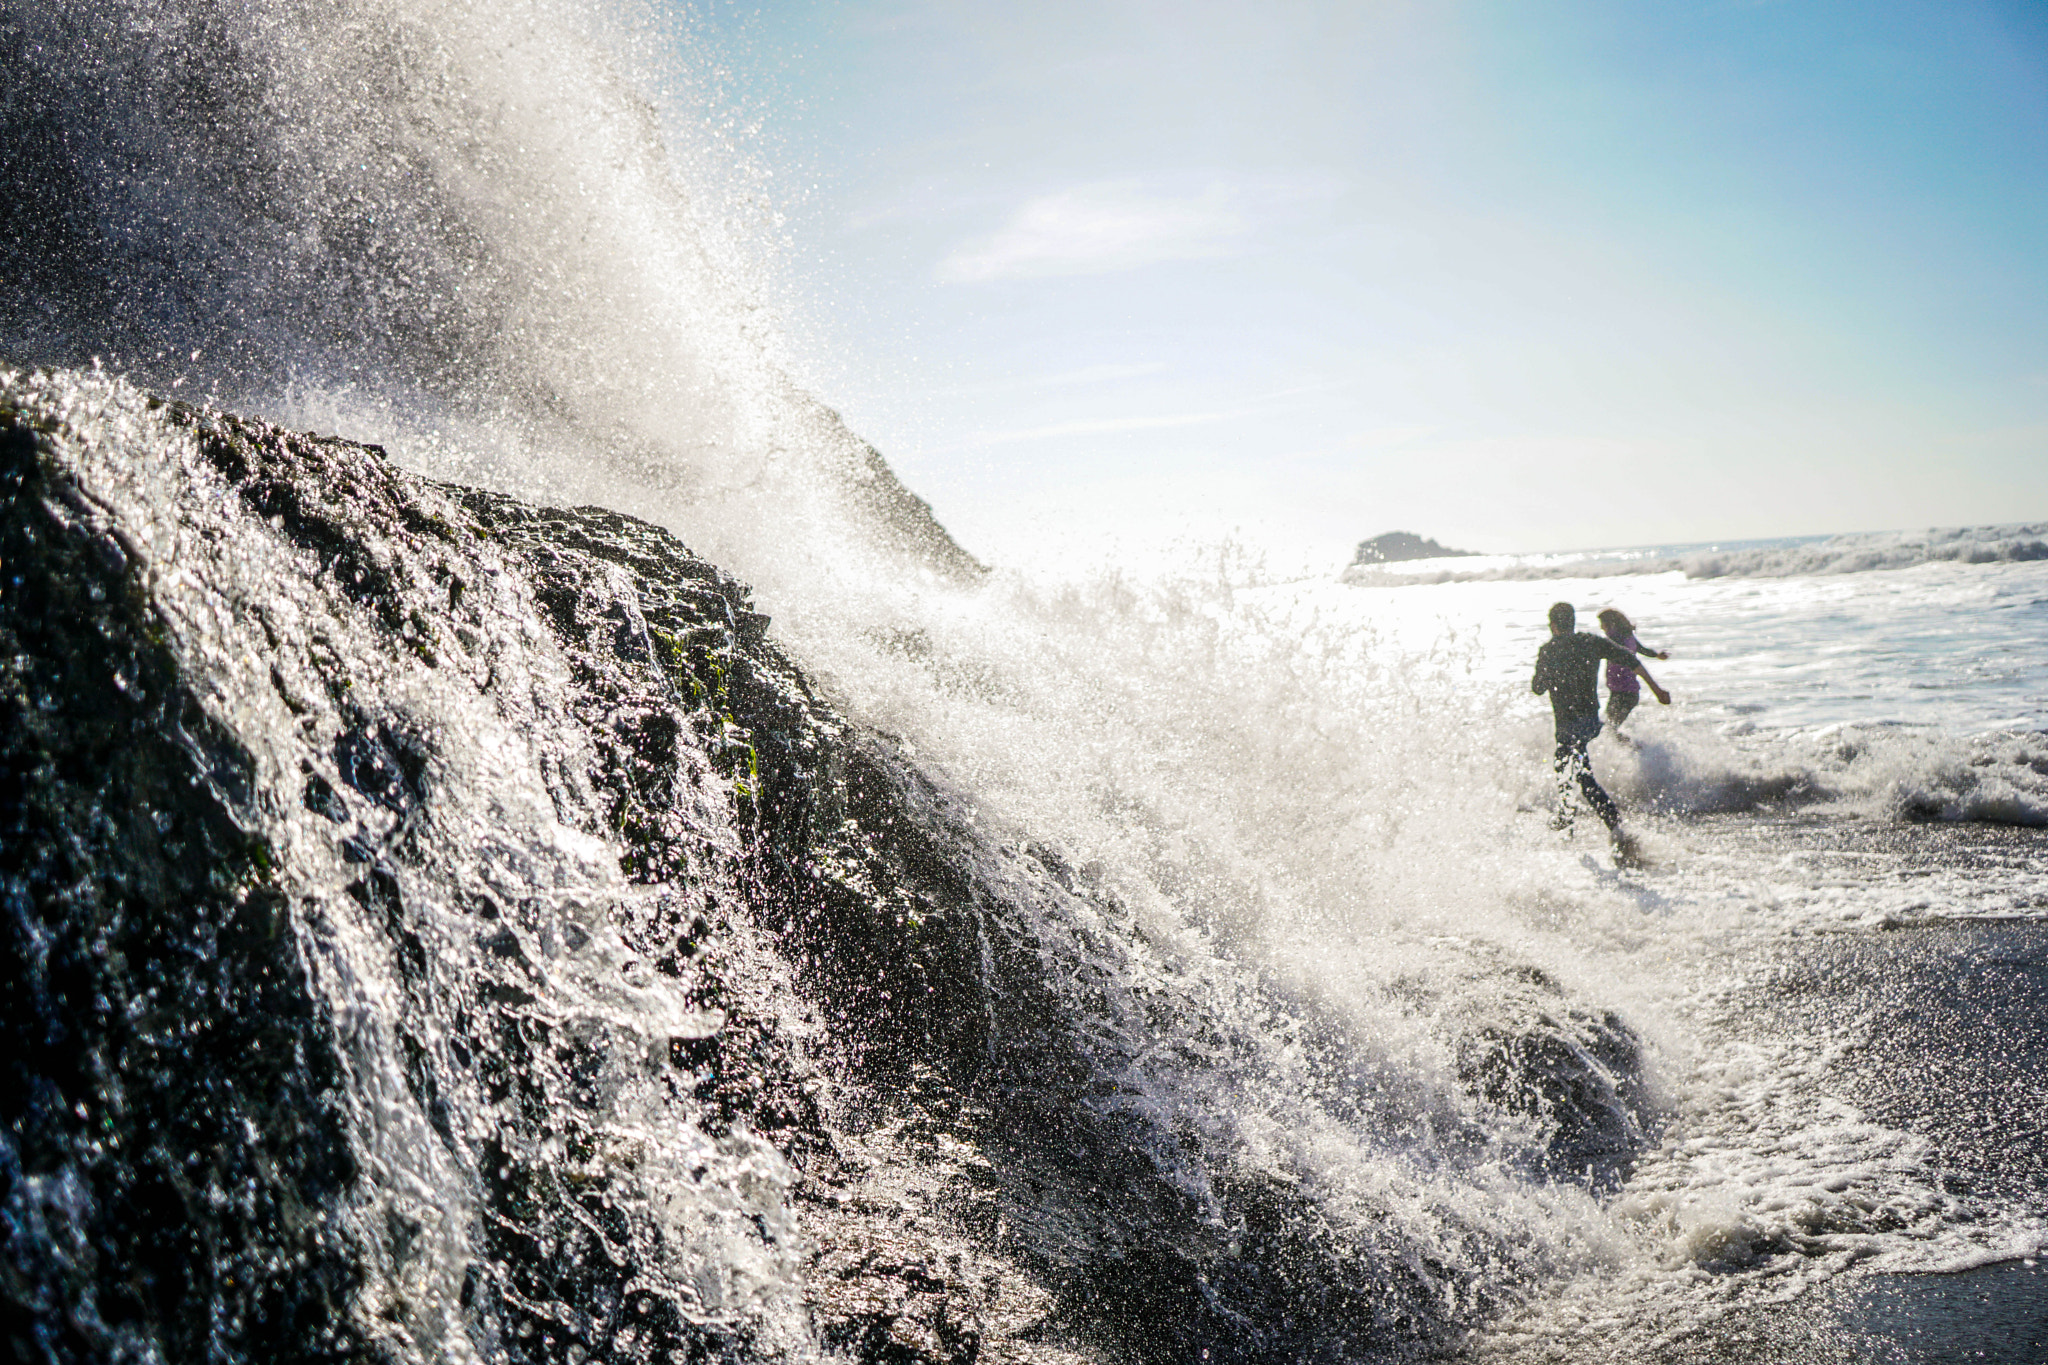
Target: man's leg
<point>1570,757</point>
<point>1596,795</point>
<point>1574,767</point>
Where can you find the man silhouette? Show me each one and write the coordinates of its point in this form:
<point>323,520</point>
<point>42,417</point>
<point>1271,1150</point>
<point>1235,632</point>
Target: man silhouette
<point>1568,669</point>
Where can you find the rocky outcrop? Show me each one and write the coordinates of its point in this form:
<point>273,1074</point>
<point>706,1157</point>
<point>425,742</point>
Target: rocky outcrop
<point>442,927</point>
<point>303,1063</point>
<point>1395,546</point>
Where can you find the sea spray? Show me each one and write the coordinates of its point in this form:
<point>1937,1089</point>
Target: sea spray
<point>463,232</point>
<point>1133,966</point>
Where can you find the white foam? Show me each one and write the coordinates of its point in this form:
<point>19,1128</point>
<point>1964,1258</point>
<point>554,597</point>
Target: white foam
<point>1861,552</point>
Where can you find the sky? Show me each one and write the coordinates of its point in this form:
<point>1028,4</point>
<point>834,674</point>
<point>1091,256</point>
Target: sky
<point>1517,276</point>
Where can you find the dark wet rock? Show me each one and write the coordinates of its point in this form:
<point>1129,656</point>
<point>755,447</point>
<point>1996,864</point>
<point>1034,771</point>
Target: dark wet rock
<point>437,923</point>
<point>1574,1073</point>
<point>1399,545</point>
<point>173,1141</point>
<point>1578,1073</point>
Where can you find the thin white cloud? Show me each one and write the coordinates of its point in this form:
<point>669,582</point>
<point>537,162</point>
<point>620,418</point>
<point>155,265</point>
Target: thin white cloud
<point>1096,229</point>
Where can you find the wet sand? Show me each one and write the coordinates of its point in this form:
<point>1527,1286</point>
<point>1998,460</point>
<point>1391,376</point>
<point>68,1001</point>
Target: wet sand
<point>1950,1029</point>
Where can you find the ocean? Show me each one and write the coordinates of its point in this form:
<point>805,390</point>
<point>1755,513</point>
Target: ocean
<point>1844,805</point>
<point>1832,952</point>
<point>1345,1012</point>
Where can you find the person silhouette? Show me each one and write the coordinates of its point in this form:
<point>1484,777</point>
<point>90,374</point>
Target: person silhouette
<point>1624,689</point>
<point>1567,669</point>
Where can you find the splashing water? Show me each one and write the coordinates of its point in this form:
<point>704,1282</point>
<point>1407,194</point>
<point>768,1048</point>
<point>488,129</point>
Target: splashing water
<point>1340,933</point>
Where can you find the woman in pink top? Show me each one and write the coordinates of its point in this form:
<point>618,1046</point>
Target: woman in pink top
<point>1624,689</point>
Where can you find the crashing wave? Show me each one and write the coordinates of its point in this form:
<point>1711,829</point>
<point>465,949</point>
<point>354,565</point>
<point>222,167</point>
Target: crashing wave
<point>1858,553</point>
<point>1888,773</point>
<point>464,229</point>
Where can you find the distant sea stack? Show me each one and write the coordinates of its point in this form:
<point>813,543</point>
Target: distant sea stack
<point>1399,545</point>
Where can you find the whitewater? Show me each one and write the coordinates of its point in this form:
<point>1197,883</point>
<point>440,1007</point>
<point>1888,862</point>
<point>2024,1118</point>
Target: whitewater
<point>1312,916</point>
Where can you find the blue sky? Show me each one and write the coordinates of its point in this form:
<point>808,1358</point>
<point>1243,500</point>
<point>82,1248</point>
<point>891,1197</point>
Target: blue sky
<point>1516,276</point>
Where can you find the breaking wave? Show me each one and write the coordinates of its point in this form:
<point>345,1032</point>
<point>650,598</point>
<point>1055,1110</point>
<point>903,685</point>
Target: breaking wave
<point>1881,772</point>
<point>1863,552</point>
